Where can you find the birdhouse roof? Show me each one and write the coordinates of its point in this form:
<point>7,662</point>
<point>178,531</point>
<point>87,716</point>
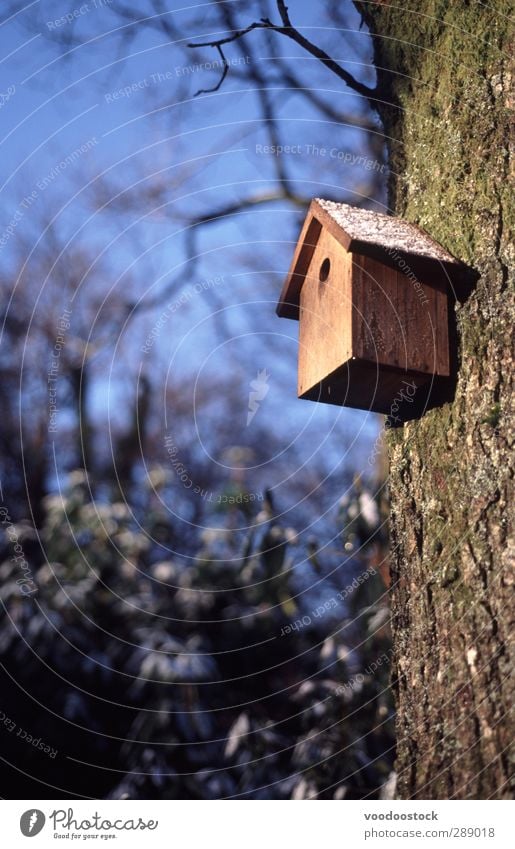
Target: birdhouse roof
<point>392,241</point>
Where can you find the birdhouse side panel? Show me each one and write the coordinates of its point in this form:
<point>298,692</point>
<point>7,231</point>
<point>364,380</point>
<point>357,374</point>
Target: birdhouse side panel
<point>397,321</point>
<point>325,335</point>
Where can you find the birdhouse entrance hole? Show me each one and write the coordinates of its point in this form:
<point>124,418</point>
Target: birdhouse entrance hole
<point>325,269</point>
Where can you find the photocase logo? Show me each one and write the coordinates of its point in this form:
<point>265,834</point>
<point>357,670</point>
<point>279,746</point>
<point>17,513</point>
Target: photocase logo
<point>258,392</point>
<point>31,822</point>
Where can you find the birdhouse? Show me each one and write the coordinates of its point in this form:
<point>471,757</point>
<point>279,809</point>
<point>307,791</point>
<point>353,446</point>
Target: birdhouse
<point>371,296</point>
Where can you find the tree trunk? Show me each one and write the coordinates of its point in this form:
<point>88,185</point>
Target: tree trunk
<point>446,79</point>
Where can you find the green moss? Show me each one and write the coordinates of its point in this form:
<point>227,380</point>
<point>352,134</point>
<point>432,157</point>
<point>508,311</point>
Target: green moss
<point>442,126</point>
<point>492,418</point>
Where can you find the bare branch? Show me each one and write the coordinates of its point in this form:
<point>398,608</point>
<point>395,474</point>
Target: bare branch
<point>264,23</point>
<point>249,202</point>
<point>289,31</point>
<point>222,212</point>
<point>222,78</point>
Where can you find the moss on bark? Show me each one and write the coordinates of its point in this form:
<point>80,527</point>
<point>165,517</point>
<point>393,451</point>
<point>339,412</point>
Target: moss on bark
<point>447,87</point>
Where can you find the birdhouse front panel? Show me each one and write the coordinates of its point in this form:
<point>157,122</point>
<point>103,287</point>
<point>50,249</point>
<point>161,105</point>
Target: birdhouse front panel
<point>325,332</point>
<point>369,324</point>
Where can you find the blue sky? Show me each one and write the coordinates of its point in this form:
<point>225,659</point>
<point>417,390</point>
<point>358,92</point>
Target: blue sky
<point>125,99</point>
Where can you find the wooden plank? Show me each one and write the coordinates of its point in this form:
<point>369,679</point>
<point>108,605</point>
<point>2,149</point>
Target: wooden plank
<point>379,311</point>
<point>396,321</point>
<point>325,335</point>
<point>288,306</point>
<point>457,279</point>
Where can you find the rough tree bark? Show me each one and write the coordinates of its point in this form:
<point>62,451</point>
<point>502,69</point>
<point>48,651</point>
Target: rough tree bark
<point>444,68</point>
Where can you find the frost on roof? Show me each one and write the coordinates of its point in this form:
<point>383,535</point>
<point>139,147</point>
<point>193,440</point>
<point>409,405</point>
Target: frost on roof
<point>384,230</point>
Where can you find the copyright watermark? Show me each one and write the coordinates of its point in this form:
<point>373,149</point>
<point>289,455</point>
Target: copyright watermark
<point>26,581</point>
<point>78,12</point>
<point>184,476</point>
<point>345,156</point>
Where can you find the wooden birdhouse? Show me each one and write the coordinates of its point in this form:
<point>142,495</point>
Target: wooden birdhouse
<point>371,295</point>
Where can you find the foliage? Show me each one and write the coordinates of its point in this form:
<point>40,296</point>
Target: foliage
<point>160,676</point>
